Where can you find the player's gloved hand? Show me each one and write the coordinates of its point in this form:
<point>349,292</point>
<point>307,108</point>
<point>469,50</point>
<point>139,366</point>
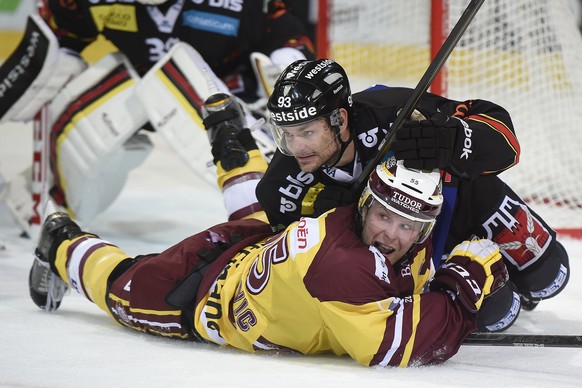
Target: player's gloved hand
<point>228,149</point>
<point>332,198</point>
<point>432,143</point>
<point>473,270</point>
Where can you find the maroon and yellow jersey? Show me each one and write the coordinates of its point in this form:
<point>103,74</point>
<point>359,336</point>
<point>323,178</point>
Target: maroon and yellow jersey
<point>313,288</point>
<point>317,288</point>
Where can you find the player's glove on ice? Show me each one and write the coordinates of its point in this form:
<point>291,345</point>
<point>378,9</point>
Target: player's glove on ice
<point>473,270</point>
<point>438,142</point>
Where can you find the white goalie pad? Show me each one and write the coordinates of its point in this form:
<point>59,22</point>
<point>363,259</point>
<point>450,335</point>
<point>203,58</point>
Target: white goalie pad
<point>94,121</point>
<point>90,191</point>
<point>266,73</point>
<point>173,93</point>
<point>35,72</point>
<point>16,194</point>
<point>268,68</point>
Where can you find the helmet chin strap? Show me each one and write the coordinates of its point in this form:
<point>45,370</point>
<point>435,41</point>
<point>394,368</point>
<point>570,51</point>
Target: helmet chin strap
<point>335,122</point>
<point>343,146</point>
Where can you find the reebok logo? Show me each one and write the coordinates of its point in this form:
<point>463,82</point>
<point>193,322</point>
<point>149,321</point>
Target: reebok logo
<point>467,143</point>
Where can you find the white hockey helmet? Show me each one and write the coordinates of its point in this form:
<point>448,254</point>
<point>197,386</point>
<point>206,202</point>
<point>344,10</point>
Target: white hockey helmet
<point>413,194</point>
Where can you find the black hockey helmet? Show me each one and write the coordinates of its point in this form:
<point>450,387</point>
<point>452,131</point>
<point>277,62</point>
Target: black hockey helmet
<point>307,90</point>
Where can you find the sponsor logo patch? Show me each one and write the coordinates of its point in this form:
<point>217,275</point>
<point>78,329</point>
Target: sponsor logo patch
<point>294,115</point>
<point>205,21</point>
<point>119,17</point>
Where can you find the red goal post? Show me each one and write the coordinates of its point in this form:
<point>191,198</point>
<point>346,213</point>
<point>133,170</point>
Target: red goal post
<point>525,55</point>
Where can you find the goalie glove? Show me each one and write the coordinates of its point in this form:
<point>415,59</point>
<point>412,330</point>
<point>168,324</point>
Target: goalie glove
<point>473,270</point>
<point>433,143</point>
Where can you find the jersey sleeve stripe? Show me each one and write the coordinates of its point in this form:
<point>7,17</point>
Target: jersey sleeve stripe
<point>503,130</point>
<point>396,334</point>
<point>415,321</point>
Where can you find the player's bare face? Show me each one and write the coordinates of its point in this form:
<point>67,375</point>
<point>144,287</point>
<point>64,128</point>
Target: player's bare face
<point>313,144</point>
<point>390,233</point>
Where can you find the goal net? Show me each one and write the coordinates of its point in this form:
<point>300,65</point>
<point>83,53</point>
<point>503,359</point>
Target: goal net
<point>525,55</point>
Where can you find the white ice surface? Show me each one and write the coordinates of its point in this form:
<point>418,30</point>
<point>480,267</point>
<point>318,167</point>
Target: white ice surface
<point>163,202</point>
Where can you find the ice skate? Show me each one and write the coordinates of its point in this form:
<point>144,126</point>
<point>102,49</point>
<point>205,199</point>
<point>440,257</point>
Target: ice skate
<point>47,289</point>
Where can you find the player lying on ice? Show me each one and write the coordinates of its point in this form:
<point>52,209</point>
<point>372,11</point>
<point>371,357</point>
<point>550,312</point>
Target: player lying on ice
<point>356,280</point>
<point>326,135</point>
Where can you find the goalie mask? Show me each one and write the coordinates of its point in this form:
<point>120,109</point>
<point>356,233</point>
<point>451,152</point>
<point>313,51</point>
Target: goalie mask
<point>306,91</point>
<point>413,194</point>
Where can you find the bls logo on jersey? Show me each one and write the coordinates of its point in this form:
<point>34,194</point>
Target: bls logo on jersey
<point>231,5</point>
<point>521,237</point>
<point>293,190</point>
<point>370,138</point>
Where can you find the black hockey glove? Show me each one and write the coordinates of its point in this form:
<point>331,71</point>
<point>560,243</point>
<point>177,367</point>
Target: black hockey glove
<point>332,197</point>
<point>432,143</point>
<point>231,147</point>
<point>473,270</point>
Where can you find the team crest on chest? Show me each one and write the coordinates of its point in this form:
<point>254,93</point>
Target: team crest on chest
<point>521,237</point>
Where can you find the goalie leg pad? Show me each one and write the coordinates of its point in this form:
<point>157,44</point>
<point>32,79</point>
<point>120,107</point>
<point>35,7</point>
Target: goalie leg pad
<point>90,191</point>
<point>173,93</point>
<point>17,195</point>
<point>35,72</point>
<point>93,137</point>
<point>268,68</point>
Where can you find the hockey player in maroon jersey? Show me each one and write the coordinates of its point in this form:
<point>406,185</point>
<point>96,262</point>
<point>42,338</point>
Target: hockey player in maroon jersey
<point>357,280</point>
<point>326,135</point>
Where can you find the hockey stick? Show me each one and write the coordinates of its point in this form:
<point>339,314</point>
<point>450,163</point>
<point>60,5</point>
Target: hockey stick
<point>530,340</point>
<point>423,85</point>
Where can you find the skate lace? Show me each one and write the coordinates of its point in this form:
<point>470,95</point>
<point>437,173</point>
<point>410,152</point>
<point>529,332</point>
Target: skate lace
<point>56,289</point>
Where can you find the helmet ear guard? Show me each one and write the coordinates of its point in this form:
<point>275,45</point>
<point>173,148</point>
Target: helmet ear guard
<point>413,194</point>
<point>335,120</point>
